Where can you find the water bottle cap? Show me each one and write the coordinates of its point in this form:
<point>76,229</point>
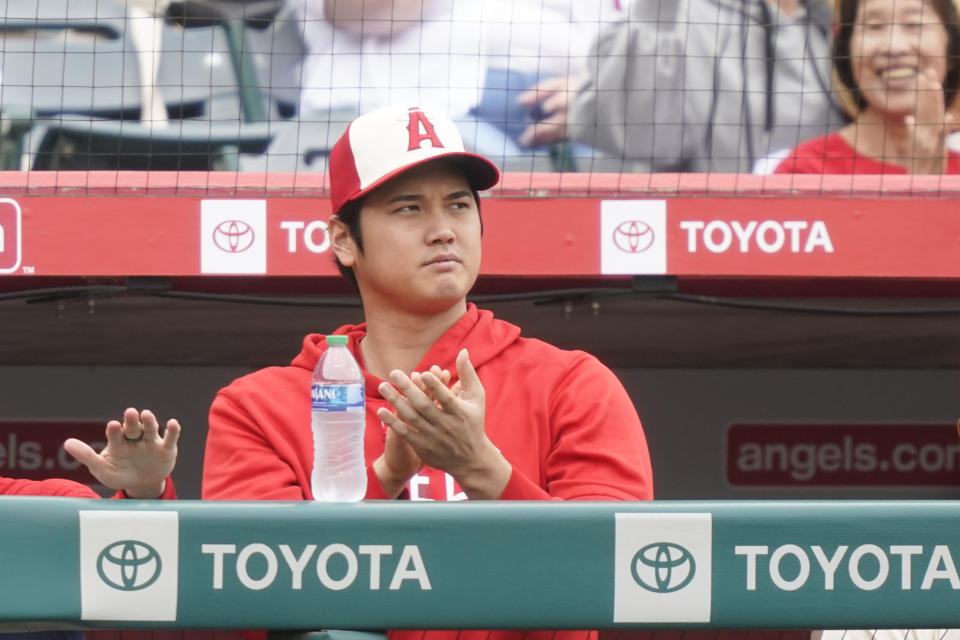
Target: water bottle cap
<point>332,340</point>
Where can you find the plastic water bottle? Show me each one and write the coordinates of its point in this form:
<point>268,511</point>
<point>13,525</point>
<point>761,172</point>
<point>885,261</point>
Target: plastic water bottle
<point>338,419</point>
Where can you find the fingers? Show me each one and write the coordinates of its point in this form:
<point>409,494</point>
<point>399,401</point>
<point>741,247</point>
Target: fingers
<point>149,426</point>
<point>141,425</point>
<point>435,383</point>
<point>930,105</point>
<point>397,401</point>
<point>529,97</point>
<point>114,434</point>
<point>420,403</point>
<point>552,93</point>
<point>549,131</point>
<point>434,386</point>
<point>172,435</point>
<point>404,431</point>
<point>438,391</point>
<point>417,378</point>
<point>132,429</point>
<point>951,122</point>
<point>432,382</point>
<point>928,81</point>
<point>442,374</point>
<point>557,83</point>
<point>394,422</point>
<point>83,452</point>
<point>131,417</point>
<point>469,380</point>
<point>529,136</point>
<point>407,397</point>
<point>557,102</point>
<point>541,91</point>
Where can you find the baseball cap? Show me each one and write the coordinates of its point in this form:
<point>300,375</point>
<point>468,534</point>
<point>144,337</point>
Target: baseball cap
<point>383,143</point>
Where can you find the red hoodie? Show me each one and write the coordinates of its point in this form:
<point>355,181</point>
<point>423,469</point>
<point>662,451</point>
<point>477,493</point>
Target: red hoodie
<point>561,418</point>
<point>52,487</point>
<point>63,488</point>
<point>832,154</point>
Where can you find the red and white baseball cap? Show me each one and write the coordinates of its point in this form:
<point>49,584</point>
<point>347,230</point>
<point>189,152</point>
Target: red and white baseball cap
<point>383,143</point>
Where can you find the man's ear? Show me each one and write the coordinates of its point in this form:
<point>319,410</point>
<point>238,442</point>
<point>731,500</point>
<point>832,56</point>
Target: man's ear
<point>341,241</point>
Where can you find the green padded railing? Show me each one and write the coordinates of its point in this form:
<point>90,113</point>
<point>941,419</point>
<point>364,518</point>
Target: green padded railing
<point>379,565</point>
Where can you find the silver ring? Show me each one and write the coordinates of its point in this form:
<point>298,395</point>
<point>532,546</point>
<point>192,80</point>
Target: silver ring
<point>134,440</point>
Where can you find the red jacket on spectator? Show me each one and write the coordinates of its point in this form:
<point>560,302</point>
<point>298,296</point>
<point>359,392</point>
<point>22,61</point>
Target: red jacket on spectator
<point>833,155</point>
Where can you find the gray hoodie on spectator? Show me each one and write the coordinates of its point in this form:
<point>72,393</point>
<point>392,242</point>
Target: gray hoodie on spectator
<point>706,85</point>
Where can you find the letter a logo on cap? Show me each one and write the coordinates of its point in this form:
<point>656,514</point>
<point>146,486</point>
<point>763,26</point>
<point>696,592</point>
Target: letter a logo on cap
<point>421,129</point>
<point>371,151</point>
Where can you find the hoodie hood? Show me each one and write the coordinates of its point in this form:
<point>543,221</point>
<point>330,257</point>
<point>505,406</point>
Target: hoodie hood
<point>477,330</point>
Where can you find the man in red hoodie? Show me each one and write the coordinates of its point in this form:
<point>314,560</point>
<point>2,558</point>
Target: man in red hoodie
<point>136,462</point>
<point>459,405</point>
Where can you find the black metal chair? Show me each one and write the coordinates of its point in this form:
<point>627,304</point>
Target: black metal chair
<point>72,98</point>
<point>63,57</point>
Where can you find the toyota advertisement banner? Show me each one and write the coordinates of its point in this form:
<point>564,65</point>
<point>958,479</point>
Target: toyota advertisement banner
<point>287,236</point>
<point>376,565</point>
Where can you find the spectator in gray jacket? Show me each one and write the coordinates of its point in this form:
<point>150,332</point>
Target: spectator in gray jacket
<point>707,85</point>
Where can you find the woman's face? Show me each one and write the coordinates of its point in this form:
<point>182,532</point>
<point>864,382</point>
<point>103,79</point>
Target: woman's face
<point>893,42</point>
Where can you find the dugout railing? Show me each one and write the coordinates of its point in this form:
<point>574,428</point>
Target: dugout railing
<point>523,565</point>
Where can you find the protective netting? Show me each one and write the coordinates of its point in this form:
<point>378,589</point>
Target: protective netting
<point>615,87</point>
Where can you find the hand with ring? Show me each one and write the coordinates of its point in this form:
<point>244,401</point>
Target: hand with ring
<point>136,459</point>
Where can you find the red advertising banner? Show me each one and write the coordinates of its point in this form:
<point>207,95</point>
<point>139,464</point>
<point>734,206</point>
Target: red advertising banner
<point>97,235</point>
<point>33,450</point>
<point>875,455</point>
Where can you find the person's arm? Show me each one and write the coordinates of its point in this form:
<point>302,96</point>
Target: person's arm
<point>631,101</point>
<point>137,461</point>
<point>50,487</point>
<point>600,450</point>
<point>240,463</point>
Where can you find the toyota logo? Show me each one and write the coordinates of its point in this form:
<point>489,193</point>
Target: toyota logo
<point>663,567</point>
<point>233,236</point>
<point>633,236</point>
<point>129,565</point>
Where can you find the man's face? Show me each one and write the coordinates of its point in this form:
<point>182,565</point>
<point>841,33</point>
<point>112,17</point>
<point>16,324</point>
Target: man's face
<point>421,241</point>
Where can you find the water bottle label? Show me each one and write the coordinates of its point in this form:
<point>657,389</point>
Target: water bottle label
<point>337,397</point>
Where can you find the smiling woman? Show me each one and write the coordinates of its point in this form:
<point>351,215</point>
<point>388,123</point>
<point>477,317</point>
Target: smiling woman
<point>897,72</point>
